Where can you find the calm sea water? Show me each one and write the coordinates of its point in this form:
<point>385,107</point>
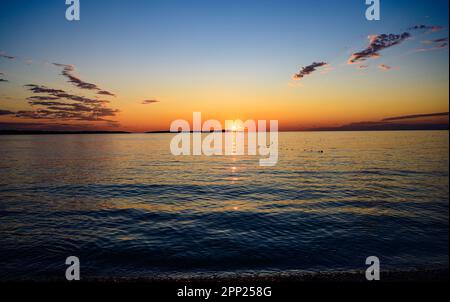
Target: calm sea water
<point>128,208</point>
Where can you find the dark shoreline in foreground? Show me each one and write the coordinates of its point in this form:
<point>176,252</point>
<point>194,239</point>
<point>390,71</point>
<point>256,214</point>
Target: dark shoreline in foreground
<point>431,275</point>
<point>325,277</point>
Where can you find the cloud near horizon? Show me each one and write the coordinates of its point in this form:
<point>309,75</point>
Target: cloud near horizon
<point>56,104</point>
<point>147,102</point>
<point>406,117</point>
<point>307,70</point>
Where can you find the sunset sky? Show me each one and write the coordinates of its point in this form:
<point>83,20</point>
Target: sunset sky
<point>158,61</point>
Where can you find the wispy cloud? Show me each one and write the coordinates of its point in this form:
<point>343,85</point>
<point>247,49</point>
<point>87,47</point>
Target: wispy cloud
<point>147,102</point>
<point>435,44</point>
<point>384,67</point>
<point>6,56</point>
<point>427,28</point>
<point>61,94</point>
<point>104,92</point>
<point>69,72</point>
<point>378,43</point>
<point>56,104</point>
<point>438,47</point>
<point>307,70</point>
<point>415,116</point>
<point>440,40</point>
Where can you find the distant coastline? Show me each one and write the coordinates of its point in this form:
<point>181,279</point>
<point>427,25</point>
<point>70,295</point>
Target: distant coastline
<point>348,128</point>
<point>41,132</point>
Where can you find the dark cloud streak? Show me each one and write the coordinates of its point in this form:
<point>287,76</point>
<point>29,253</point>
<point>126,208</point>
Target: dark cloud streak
<point>4,55</point>
<point>406,117</point>
<point>384,67</point>
<point>57,104</point>
<point>435,44</point>
<point>69,72</point>
<point>307,70</point>
<point>147,102</point>
<point>427,28</point>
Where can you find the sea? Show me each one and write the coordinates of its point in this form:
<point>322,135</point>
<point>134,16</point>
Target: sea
<point>128,208</point>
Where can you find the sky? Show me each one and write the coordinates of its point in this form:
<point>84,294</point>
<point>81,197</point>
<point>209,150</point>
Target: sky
<point>138,65</point>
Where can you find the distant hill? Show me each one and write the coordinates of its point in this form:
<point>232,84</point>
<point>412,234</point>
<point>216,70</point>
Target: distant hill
<point>383,127</point>
<point>433,121</point>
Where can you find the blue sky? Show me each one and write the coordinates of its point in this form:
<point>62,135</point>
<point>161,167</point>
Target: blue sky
<point>239,28</point>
